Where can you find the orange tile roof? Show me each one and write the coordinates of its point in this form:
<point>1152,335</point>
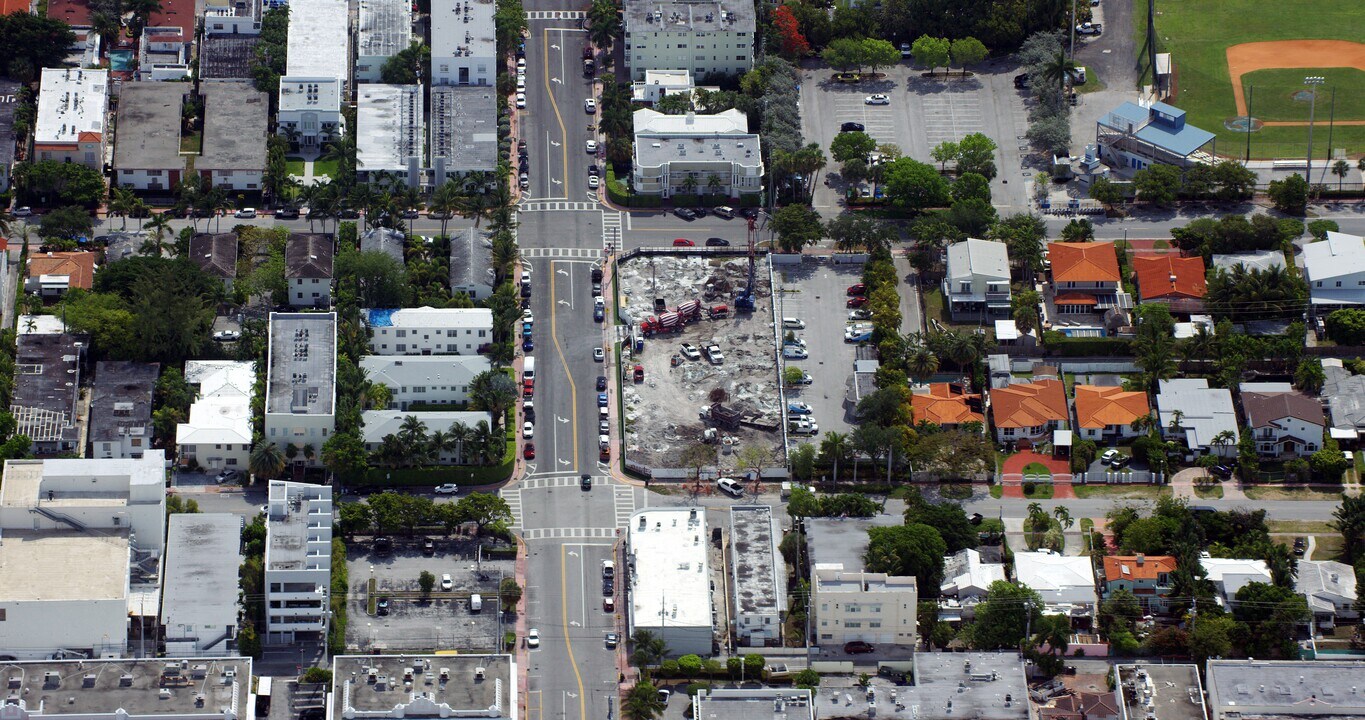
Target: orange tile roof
<point>943,405</point>
<point>1075,298</point>
<point>9,7</point>
<point>1083,262</point>
<point>1169,276</point>
<point>1029,404</point>
<point>1126,567</point>
<point>74,12</point>
<point>1097,407</point>
<point>78,266</point>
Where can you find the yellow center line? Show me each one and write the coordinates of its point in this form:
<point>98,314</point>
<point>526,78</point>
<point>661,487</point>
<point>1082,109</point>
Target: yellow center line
<point>573,389</point>
<point>568,644</point>
<point>550,92</point>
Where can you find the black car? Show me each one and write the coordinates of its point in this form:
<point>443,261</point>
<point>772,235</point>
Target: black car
<point>601,383</point>
<point>585,482</point>
<point>528,345</point>
<point>1223,471</point>
<point>526,291</point>
<point>1300,546</point>
<point>699,211</point>
<point>383,546</point>
<point>717,242</point>
<point>852,127</point>
<point>608,586</point>
<point>382,606</point>
<point>287,213</point>
<point>858,647</point>
<point>749,212</point>
<point>594,170</point>
<point>349,214</point>
<point>521,145</point>
<point>1021,81</point>
<point>684,213</point>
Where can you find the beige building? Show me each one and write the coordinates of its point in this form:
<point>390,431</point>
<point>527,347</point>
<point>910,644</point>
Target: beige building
<point>871,607</point>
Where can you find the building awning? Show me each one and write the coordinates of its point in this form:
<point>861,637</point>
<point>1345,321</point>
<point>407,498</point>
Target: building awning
<point>1061,438</point>
<point>1006,330</point>
<point>1342,433</point>
<point>1076,299</point>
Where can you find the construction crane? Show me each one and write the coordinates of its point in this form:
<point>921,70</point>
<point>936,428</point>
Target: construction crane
<point>745,300</point>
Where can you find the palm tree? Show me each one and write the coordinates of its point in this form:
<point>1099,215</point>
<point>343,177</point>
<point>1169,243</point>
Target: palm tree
<point>159,224</point>
<point>1340,168</point>
<point>488,443</point>
<point>1059,69</point>
<point>478,206</point>
<point>689,184</point>
<point>642,702</point>
<point>714,184</point>
<point>1223,440</point>
<point>961,350</point>
<point>379,396</point>
<point>266,460</point>
<point>835,445</point>
<point>1063,517</point>
<point>604,25</point>
<point>437,443</point>
<point>121,202</point>
<point>412,432</point>
<point>459,435</point>
<point>921,363</point>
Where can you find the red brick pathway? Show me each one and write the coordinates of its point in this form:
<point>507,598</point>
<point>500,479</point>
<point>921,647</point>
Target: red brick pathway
<point>1061,474</point>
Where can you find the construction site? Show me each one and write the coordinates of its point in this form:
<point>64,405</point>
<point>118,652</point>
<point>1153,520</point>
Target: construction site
<point>699,364</point>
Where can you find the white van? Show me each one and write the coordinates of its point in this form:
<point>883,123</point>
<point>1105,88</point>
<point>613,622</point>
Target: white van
<point>475,603</point>
<point>608,569</point>
<point>528,369</point>
<point>793,324</point>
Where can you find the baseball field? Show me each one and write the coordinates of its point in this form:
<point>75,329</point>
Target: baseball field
<point>1231,56</point>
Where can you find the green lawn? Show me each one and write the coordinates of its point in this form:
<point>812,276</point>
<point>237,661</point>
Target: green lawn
<point>326,168</point>
<point>1041,491</point>
<point>1277,492</point>
<point>1036,469</point>
<point>1198,32</point>
<point>1279,94</point>
<point>295,166</point>
<point>1211,492</point>
<point>1150,492</point>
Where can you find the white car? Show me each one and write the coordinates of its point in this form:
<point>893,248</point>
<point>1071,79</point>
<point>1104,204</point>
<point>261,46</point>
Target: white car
<point>527,316</point>
<point>24,211</point>
<point>227,336</point>
<point>245,213</point>
<point>533,638</point>
<point>447,583</point>
<point>690,351</point>
<point>521,99</point>
<point>591,147</point>
<point>521,83</point>
<point>860,314</point>
<point>793,352</point>
<point>877,99</point>
<point>448,489</point>
<point>525,277</point>
<point>730,487</point>
<point>804,427</point>
<point>1090,28</point>
<point>598,355</point>
<point>528,430</point>
<point>1108,456</point>
<point>590,106</point>
<point>521,64</point>
<point>593,182</point>
<point>714,354</point>
<point>794,323</point>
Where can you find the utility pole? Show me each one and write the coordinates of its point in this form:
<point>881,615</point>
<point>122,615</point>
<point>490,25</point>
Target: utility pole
<point>1312,81</point>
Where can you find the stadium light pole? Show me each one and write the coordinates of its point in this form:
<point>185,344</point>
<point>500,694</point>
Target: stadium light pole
<point>1312,81</point>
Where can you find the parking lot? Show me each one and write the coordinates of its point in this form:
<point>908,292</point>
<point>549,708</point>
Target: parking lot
<point>923,113</point>
<point>816,293</point>
<point>444,621</point>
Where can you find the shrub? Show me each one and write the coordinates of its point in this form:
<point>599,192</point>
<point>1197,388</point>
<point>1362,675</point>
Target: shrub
<point>668,668</point>
<point>689,665</point>
<point>315,675</point>
<point>1029,487</point>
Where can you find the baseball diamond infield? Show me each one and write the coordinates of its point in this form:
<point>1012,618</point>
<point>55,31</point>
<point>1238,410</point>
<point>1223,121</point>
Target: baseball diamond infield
<point>1289,54</point>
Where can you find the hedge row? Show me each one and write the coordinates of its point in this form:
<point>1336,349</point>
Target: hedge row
<point>1061,345</point>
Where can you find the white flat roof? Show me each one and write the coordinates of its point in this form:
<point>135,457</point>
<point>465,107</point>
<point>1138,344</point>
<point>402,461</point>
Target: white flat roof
<point>71,102</point>
<point>1058,579</point>
<point>384,27</point>
<point>388,126</point>
<point>671,584</point>
<point>462,28</point>
<point>63,565</point>
<point>319,35</point>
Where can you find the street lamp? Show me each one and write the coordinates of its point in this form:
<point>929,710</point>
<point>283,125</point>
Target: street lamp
<point>1312,81</point>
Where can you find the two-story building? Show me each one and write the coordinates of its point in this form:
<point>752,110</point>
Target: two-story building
<point>318,72</point>
<point>1330,588</point>
<point>121,410</point>
<point>1085,278</point>
<point>217,434</point>
<point>53,273</point>
<point>856,605</point>
<point>216,255</point>
<point>1176,281</point>
<point>377,426</point>
<point>308,269</point>
<point>757,574</point>
<point>390,133</point>
<point>1146,576</point>
<point>383,29</point>
<point>1202,417</point>
<point>471,265</point>
<point>424,379</point>
<point>977,284</point>
<point>235,131</point>
<point>1029,411</point>
<point>430,331</point>
<point>1335,271</point>
<point>147,137</point>
<point>72,104</point>
<point>1283,421</point>
<point>696,154</point>
<point>703,37</point>
<point>1106,414</point>
<point>1133,137</point>
<point>300,386</point>
<point>298,562</point>
<point>463,43</point>
<point>46,402</point>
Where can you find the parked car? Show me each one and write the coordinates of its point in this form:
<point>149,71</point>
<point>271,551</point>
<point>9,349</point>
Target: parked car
<point>225,475</point>
<point>717,242</point>
<point>856,302</point>
<point>724,211</point>
<point>601,382</point>
<point>683,242</point>
<point>590,106</point>
<point>381,607</point>
<point>793,323</point>
<point>227,336</point>
<point>690,351</point>
<point>593,182</point>
<point>877,99</point>
<point>847,77</point>
<point>528,430</point>
<point>22,211</point>
<point>1089,28</point>
<point>798,408</point>
<point>447,582</point>
<point>533,638</point>
<point>591,147</point>
<point>793,352</point>
<point>685,213</point>
<point>245,213</point>
<point>858,647</point>
<point>730,487</point>
<point>1021,81</point>
<point>860,314</point>
<point>447,489</point>
<point>1108,456</point>
<point>287,213</point>
<point>598,355</point>
<point>1223,471</point>
<point>521,99</point>
<point>852,127</point>
<point>613,639</point>
<point>859,289</point>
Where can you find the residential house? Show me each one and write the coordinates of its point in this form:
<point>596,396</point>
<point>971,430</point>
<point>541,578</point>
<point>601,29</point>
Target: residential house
<point>386,240</point>
<point>659,84</point>
<point>298,561</point>
<point>235,132</point>
<point>977,284</point>
<point>383,29</point>
<point>1146,576</point>
<point>1085,278</point>
<point>1344,395</point>
<point>1168,278</point>
<point>1229,575</point>
<point>463,43</point>
<point>1335,272</point>
<point>217,435</point>
<point>227,49</point>
<point>430,331</point>
<point>53,273</point>
<point>1106,414</point>
<point>947,405</point>
<point>216,255</point>
<point>121,409</point>
<point>687,154</point>
<point>389,133</point>
<point>1029,411</point>
<point>72,104</point>
<point>424,379</point>
<point>164,48</point>
<point>147,140</point>
<point>966,575</point>
<point>199,610</point>
<point>318,72</point>
<point>308,269</point>
<point>703,37</point>
<point>463,131</point>
<point>9,101</point>
<point>232,17</point>
<point>46,400</point>
<point>376,425</point>
<point>1202,417</point>
<point>1330,588</point>
<point>1066,584</point>
<point>471,265</point>
<point>300,386</point>
<point>1283,422</point>
<point>1133,137</point>
<point>871,607</point>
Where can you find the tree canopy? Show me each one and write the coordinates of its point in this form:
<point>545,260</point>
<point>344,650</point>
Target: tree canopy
<point>911,549</point>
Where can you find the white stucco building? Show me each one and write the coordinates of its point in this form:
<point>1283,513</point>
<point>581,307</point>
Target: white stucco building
<point>318,72</point>
<point>703,37</point>
<point>298,560</point>
<point>72,104</point>
<point>424,379</point>
<point>203,557</point>
<point>668,579</point>
<point>1229,575</point>
<point>375,425</point>
<point>463,42</point>
<point>855,605</point>
<point>383,29</point>
<point>390,134</point>
<point>689,154</point>
<point>300,389</point>
<point>430,331</point>
<point>217,434</point>
<point>1066,584</point>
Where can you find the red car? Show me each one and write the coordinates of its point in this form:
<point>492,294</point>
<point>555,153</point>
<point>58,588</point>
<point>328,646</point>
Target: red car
<point>858,289</point>
<point>683,242</point>
<point>529,452</point>
<point>856,302</point>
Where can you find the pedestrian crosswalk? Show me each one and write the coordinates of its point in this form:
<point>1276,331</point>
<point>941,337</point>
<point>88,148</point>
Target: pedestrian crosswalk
<point>555,15</point>
<point>624,499</point>
<point>512,496</point>
<point>561,253</point>
<point>611,230</point>
<point>580,533</point>
<point>557,206</point>
<point>536,483</point>
<point>623,506</point>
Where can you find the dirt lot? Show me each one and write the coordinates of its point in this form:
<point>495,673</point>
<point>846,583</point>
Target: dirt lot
<point>661,414</point>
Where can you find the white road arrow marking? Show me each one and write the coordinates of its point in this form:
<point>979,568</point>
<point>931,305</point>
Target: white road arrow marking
<point>563,462</point>
<point>573,553</point>
<point>552,142</point>
<point>563,272</point>
<point>557,182</point>
<point>530,468</point>
<point>573,695</point>
<point>560,419</point>
<point>557,80</point>
<point>554,47</point>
